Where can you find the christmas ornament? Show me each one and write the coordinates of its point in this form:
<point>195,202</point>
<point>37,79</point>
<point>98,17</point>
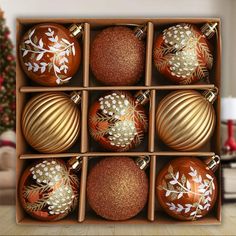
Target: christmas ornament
<point>118,55</point>
<point>49,189</point>
<point>50,54</point>
<point>186,187</point>
<point>51,121</point>
<point>117,187</point>
<point>117,120</point>
<point>183,54</point>
<point>185,119</point>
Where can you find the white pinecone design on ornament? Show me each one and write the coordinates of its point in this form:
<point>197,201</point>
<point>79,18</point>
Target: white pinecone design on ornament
<point>119,111</point>
<point>179,54</point>
<point>55,185</point>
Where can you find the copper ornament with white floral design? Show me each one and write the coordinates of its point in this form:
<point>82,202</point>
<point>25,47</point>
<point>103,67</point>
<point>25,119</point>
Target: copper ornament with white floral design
<point>118,121</point>
<point>50,54</point>
<point>186,187</point>
<point>49,188</point>
<point>183,53</point>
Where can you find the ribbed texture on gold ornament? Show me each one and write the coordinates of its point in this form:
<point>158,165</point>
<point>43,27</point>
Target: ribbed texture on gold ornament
<point>185,120</point>
<point>51,122</point>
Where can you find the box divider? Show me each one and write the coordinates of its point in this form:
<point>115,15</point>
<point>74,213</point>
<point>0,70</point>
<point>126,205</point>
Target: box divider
<point>148,64</point>
<point>86,48</point>
<point>151,200</point>
<point>151,128</point>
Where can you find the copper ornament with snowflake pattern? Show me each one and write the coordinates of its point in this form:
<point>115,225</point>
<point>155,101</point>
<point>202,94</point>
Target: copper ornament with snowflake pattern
<point>117,122</point>
<point>183,54</point>
<point>186,187</point>
<point>50,54</point>
<point>48,190</point>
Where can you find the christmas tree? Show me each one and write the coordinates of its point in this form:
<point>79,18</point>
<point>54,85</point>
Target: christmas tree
<point>7,79</point>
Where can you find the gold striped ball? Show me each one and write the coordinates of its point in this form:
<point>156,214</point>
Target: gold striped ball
<point>185,120</point>
<point>51,122</point>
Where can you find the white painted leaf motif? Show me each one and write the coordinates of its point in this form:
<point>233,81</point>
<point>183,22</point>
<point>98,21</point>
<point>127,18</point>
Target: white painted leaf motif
<point>25,53</point>
<point>27,41</point>
<point>31,33</point>
<point>52,48</point>
<point>41,43</point>
<point>168,193</point>
<point>65,41</point>
<point>36,67</point>
<point>193,213</point>
<point>43,69</point>
<point>180,195</point>
<point>57,69</point>
<point>173,182</point>
<point>177,175</point>
<point>58,81</point>
<point>188,185</point>
<point>73,50</point>
<point>52,39</point>
<point>39,57</point>
<point>208,176</point>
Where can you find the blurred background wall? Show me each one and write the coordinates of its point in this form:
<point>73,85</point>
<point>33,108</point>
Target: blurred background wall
<point>225,9</point>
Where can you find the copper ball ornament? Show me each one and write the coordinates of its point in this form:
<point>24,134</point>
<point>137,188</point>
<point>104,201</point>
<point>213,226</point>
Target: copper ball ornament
<point>185,119</point>
<point>186,187</point>
<point>51,121</point>
<point>183,54</point>
<point>48,190</point>
<point>49,54</point>
<point>117,56</point>
<point>117,189</point>
<point>117,121</point>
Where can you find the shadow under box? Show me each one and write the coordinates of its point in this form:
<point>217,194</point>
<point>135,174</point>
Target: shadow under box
<point>160,216</point>
<point>158,78</point>
<point>95,146</point>
<point>209,146</point>
<point>92,218</point>
<point>96,29</point>
<point>71,218</point>
<point>30,150</point>
<point>76,80</point>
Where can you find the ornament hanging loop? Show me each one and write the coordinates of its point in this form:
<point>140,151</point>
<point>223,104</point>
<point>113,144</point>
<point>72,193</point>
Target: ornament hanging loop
<point>209,29</point>
<point>211,95</point>
<point>75,163</point>
<point>140,32</point>
<point>213,162</point>
<point>76,30</point>
<point>76,97</point>
<point>142,97</point>
<point>142,162</point>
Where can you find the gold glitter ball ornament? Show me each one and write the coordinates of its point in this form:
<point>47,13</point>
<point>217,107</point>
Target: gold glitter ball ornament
<point>185,119</point>
<point>183,54</point>
<point>51,121</point>
<point>187,188</point>
<point>118,121</point>
<point>117,189</point>
<point>48,189</point>
<point>118,56</point>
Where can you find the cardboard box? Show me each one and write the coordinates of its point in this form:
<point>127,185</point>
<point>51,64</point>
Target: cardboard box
<point>83,81</point>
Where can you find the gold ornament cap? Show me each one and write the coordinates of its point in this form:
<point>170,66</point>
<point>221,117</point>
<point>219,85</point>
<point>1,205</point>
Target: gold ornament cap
<point>140,32</point>
<point>76,30</point>
<point>75,163</point>
<point>142,162</point>
<point>211,95</point>
<point>213,163</point>
<point>142,97</point>
<point>76,97</point>
<point>209,29</point>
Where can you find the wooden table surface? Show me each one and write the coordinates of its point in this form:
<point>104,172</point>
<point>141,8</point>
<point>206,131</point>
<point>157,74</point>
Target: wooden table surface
<point>9,227</point>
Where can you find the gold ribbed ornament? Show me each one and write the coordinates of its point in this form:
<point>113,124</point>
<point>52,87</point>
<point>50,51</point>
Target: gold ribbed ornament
<point>185,119</point>
<point>51,121</point>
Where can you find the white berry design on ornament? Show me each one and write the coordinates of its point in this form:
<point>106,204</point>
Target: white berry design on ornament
<point>53,182</point>
<point>180,54</point>
<point>58,54</point>
<point>176,185</point>
<point>119,111</point>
